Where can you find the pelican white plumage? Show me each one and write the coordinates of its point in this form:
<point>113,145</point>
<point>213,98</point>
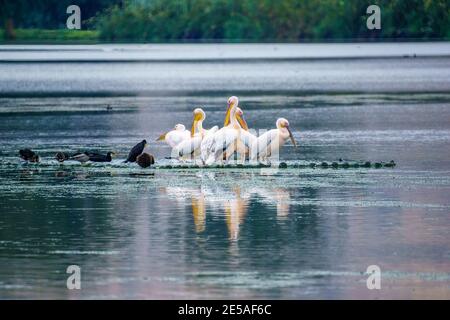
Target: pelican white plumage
<point>190,148</point>
<point>175,136</point>
<point>246,139</point>
<point>269,143</point>
<point>228,139</point>
<point>197,125</point>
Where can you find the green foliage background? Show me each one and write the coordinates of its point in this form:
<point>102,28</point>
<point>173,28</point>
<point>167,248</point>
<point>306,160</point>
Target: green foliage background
<point>237,20</point>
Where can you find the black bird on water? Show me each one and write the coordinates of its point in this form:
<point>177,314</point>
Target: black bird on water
<point>85,156</point>
<point>28,155</point>
<point>136,151</point>
<point>80,156</point>
<point>145,160</point>
<point>97,157</point>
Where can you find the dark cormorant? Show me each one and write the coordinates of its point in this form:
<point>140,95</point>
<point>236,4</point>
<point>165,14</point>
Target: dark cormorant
<point>97,157</point>
<point>145,160</point>
<point>28,155</point>
<point>137,150</point>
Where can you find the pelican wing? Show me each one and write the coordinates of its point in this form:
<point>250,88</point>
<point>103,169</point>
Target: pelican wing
<point>222,140</point>
<point>264,143</point>
<point>249,141</point>
<point>211,131</point>
<point>188,147</point>
<point>207,143</point>
<point>175,137</point>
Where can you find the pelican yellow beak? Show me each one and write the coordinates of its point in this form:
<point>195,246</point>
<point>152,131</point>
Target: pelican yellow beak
<point>227,116</point>
<point>291,136</point>
<point>242,122</point>
<point>162,137</point>
<point>197,118</point>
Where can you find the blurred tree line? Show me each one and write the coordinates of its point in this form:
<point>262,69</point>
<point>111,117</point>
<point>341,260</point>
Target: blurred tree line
<point>45,14</point>
<point>238,20</point>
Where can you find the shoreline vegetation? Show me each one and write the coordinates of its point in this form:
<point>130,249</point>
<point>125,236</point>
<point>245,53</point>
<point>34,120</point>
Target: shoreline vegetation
<point>51,36</point>
<point>224,21</point>
<point>65,36</point>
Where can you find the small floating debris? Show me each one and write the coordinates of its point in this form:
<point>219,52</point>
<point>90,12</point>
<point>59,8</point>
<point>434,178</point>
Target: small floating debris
<point>390,164</point>
<point>283,165</point>
<point>367,164</point>
<point>146,160</point>
<point>142,174</point>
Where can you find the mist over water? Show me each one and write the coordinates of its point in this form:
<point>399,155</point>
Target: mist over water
<point>226,233</point>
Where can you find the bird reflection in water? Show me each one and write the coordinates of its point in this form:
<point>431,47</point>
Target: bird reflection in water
<point>235,211</point>
<point>199,212</point>
<point>232,201</point>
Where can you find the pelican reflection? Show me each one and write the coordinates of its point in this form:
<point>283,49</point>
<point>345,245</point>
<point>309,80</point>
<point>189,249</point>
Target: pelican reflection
<point>229,202</point>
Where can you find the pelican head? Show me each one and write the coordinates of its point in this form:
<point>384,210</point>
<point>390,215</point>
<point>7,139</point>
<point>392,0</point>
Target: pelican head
<point>232,102</point>
<point>282,124</point>
<point>199,116</point>
<point>199,113</point>
<point>180,127</point>
<point>240,119</point>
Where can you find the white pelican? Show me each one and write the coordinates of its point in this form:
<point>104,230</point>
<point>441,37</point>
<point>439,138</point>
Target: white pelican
<point>190,148</point>
<point>197,125</point>
<point>246,139</point>
<point>175,136</point>
<point>270,142</point>
<point>229,138</point>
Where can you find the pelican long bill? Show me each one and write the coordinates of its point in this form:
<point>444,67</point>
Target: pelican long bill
<point>291,136</point>
<point>197,118</point>
<point>242,122</point>
<point>227,116</point>
<point>162,137</point>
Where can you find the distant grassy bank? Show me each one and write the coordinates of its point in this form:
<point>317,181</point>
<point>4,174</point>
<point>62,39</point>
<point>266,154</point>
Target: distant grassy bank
<point>47,35</point>
<point>65,36</point>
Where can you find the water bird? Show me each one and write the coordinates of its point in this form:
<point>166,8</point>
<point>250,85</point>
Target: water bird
<point>61,156</point>
<point>175,136</point>
<point>29,155</point>
<point>97,157</point>
<point>191,147</point>
<point>136,151</point>
<point>228,139</point>
<point>145,160</point>
<point>271,141</point>
<point>79,156</point>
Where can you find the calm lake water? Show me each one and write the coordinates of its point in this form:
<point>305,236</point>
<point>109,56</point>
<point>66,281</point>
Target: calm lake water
<point>295,233</point>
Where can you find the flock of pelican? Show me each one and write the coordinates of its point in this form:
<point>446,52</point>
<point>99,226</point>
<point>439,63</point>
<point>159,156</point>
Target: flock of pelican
<point>216,146</point>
